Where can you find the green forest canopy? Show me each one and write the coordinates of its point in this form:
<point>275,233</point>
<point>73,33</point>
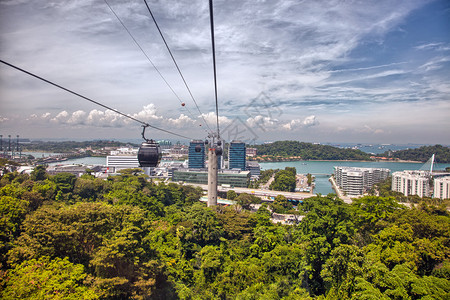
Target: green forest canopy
<point>423,154</point>
<point>63,237</point>
<point>309,151</point>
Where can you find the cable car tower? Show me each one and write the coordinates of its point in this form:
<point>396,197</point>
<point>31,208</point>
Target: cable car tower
<point>214,150</point>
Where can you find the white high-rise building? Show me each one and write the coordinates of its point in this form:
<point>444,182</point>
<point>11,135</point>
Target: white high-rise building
<point>356,181</point>
<point>442,187</point>
<point>412,183</point>
<point>122,158</point>
<point>119,162</point>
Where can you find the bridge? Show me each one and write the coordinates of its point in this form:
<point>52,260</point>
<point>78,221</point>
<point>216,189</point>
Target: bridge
<point>266,195</point>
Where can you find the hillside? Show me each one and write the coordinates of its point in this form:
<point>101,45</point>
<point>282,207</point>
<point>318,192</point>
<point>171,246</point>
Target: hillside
<point>442,154</point>
<point>64,237</point>
<point>308,151</point>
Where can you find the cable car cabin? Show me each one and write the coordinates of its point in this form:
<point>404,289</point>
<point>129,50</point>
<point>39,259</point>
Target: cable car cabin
<point>149,154</point>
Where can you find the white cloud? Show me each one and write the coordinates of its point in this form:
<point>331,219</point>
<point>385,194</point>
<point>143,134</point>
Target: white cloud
<point>183,121</point>
<point>32,117</point>
<point>368,129</point>
<point>310,121</point>
<point>434,46</point>
<point>262,122</point>
<point>77,118</point>
<point>292,124</point>
<point>211,119</point>
<point>435,64</point>
<point>61,117</point>
<point>147,114</point>
<point>297,123</point>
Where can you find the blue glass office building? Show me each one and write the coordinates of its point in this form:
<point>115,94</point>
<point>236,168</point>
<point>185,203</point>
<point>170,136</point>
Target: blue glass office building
<point>237,155</point>
<point>196,159</point>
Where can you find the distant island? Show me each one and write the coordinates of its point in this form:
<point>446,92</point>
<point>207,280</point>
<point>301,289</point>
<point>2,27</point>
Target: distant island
<point>422,154</point>
<point>70,146</point>
<point>294,150</point>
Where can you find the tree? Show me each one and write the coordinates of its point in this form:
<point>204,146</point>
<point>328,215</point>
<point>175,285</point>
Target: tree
<point>284,260</point>
<point>341,269</point>
<point>327,225</point>
<point>309,179</point>
<point>284,181</point>
<point>281,205</point>
<point>378,282</point>
<point>46,278</point>
<point>39,173</point>
<point>211,258</point>
<point>442,154</point>
<point>131,171</point>
<point>282,149</point>
<point>201,228</point>
<point>393,246</point>
<point>65,182</point>
<point>245,200</point>
<point>429,236</point>
<point>370,211</point>
<point>236,224</point>
<point>231,195</point>
<point>293,170</point>
<point>125,264</point>
<point>90,188</point>
<point>12,214</point>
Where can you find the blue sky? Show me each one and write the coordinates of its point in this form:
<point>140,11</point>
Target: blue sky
<point>316,71</point>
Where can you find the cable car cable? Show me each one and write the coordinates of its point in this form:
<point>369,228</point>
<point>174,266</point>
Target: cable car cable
<point>175,62</point>
<point>211,17</point>
<point>148,58</point>
<point>93,101</point>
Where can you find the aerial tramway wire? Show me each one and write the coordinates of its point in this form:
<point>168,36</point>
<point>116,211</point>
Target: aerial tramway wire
<point>148,58</point>
<point>93,101</point>
<point>211,17</point>
<point>175,62</point>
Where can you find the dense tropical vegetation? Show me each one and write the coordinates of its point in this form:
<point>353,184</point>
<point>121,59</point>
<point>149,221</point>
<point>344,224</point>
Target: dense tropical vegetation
<point>284,180</point>
<point>307,151</point>
<point>424,153</point>
<point>63,237</point>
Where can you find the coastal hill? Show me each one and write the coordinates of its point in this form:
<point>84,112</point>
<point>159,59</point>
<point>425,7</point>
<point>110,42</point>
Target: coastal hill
<point>442,154</point>
<point>281,150</point>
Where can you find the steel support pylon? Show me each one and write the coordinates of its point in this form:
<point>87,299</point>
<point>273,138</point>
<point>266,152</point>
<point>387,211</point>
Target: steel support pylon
<point>212,177</point>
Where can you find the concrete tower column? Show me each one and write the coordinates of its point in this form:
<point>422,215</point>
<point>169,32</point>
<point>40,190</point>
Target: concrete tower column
<point>212,177</point>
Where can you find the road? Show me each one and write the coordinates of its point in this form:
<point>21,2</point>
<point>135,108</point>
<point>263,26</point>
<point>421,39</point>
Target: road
<point>339,192</point>
<point>264,194</point>
<point>267,184</point>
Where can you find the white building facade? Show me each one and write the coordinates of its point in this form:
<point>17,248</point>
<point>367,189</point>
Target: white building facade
<point>442,187</point>
<point>356,181</point>
<point>122,162</point>
<point>412,183</point>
